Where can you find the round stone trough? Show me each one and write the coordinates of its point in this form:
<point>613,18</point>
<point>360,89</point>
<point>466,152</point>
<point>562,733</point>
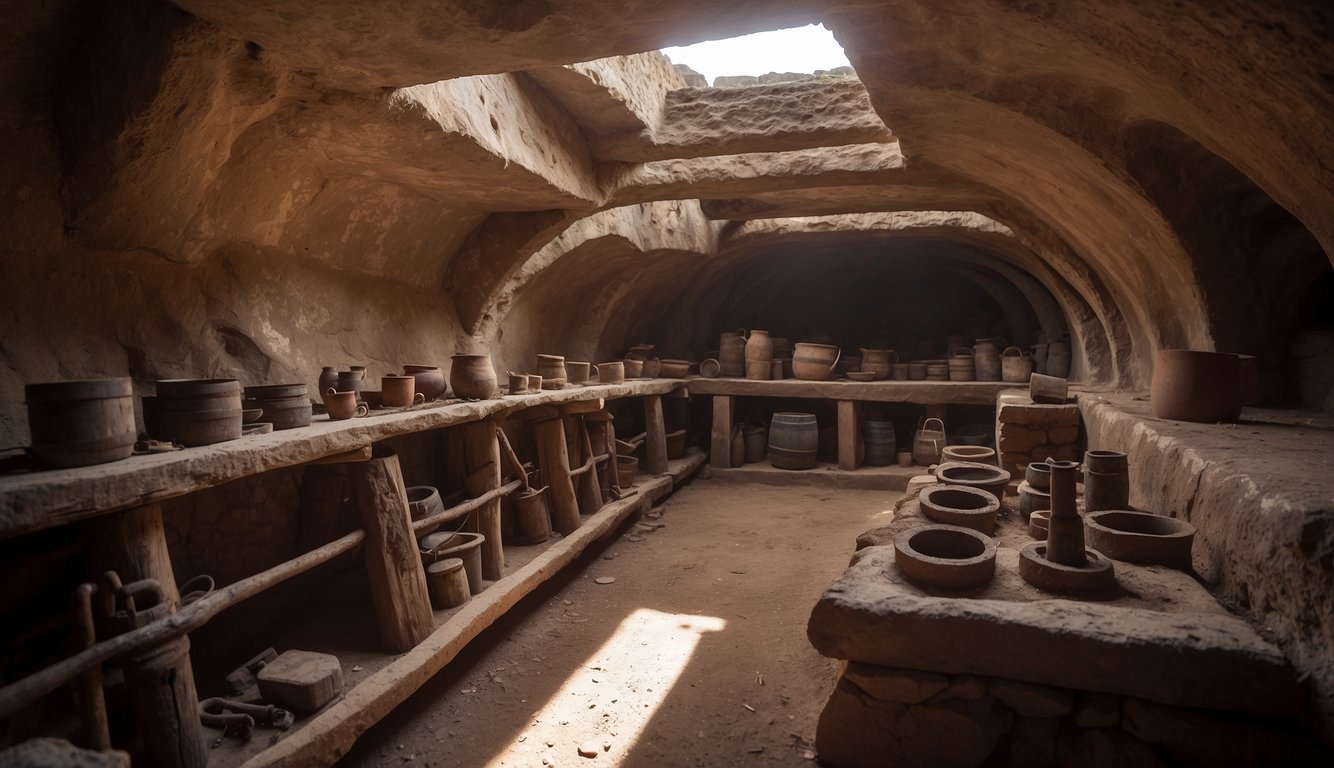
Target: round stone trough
<point>974,475</point>
<point>1140,537</point>
<point>980,454</point>
<point>1096,574</point>
<point>1039,522</point>
<point>945,556</point>
<point>960,505</point>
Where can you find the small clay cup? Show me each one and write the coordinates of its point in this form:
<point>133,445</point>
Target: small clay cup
<point>518,383</point>
<point>399,391</point>
<point>577,373</point>
<point>534,383</point>
<point>611,373</point>
<point>905,458</point>
<point>633,368</point>
<point>372,399</point>
<point>343,405</point>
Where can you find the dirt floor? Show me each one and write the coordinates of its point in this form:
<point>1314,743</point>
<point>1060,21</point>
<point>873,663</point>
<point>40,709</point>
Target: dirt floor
<point>695,655</point>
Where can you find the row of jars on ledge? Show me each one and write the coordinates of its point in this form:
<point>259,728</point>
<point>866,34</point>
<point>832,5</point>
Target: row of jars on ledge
<point>757,355</point>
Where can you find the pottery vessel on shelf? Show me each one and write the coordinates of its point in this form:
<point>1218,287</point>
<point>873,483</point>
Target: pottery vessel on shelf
<point>430,379</point>
<point>343,405</point>
<point>518,383</point>
<point>578,372</point>
<point>1196,386</point>
<point>328,378</point>
<point>350,381</point>
<point>399,391</point>
<point>551,368</point>
<point>472,376</point>
<point>634,369</point>
<point>1015,365</point>
<point>732,354</point>
<point>673,369</point>
<point>80,423</point>
<point>814,362</point>
<point>709,368</point>
<point>878,362</point>
<point>611,372</point>
<point>759,355</point>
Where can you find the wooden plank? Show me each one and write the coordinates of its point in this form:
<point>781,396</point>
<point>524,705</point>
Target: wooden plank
<point>848,435</point>
<point>393,565</point>
<point>720,437</point>
<point>919,392</point>
<point>327,736</point>
<point>482,458</point>
<point>360,454</point>
<point>582,406</point>
<point>554,459</point>
<point>655,443</point>
<point>39,500</point>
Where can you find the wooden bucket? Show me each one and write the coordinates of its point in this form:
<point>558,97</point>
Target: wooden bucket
<point>626,469</point>
<point>533,517</point>
<point>78,423</point>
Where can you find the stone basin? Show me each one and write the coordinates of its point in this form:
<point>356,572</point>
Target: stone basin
<point>1095,575</point>
<point>945,556</point>
<point>1140,537</point>
<point>961,505</point>
<point>974,475</point>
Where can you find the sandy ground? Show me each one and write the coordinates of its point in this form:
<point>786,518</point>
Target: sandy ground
<point>695,655</point>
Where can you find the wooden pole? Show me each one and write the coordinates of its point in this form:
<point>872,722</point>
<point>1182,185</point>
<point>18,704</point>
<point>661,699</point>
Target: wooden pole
<point>393,564</point>
<point>655,443</point>
<point>553,457</point>
<point>720,438</point>
<point>590,486</point>
<point>160,680</point>
<point>597,426</point>
<point>586,484</point>
<point>848,434</point>
<point>482,457</point>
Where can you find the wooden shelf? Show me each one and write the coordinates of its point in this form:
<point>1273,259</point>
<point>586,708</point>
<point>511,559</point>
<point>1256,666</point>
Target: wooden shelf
<point>917,392</point>
<point>35,501</point>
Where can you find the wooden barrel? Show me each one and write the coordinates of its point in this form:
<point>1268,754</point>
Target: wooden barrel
<point>961,365</point>
<point>794,439</point>
<point>195,412</point>
<point>881,443</point>
<point>285,406</point>
<point>78,423</point>
<point>447,581</point>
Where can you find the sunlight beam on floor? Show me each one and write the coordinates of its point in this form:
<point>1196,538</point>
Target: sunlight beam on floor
<point>637,665</point>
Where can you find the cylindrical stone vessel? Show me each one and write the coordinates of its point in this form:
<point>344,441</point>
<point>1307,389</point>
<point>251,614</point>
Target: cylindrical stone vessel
<point>1106,481</point>
<point>1065,535</point>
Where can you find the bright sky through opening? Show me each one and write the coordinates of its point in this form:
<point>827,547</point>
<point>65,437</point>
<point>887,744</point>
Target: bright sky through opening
<point>801,49</point>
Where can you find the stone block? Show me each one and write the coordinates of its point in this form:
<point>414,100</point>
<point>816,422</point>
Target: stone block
<point>1097,710</point>
<point>1032,699</point>
<point>302,681</point>
<point>965,687</point>
<point>1061,435</point>
<point>904,686</point>
<point>58,753</point>
<point>1193,737</point>
<point>1105,748</point>
<point>1019,441</point>
<point>1018,409</point>
<point>857,731</point>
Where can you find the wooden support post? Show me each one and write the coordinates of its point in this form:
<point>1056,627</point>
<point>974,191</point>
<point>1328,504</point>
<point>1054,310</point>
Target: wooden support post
<point>597,426</point>
<point>323,488</point>
<point>586,484</point>
<point>554,459</point>
<point>482,457</point>
<point>720,442</point>
<point>848,434</point>
<point>161,682</point>
<point>393,564</point>
<point>655,443</point>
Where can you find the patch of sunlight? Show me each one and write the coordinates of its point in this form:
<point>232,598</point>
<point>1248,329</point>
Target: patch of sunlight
<point>636,667</point>
<point>799,49</point>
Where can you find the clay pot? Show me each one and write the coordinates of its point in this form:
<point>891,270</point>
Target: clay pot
<point>343,405</point>
<point>626,468</point>
<point>534,383</point>
<point>399,391</point>
<point>975,453</point>
<point>1196,386</point>
<point>945,557</point>
<point>759,355</point>
<point>776,370</point>
<point>917,370</point>
<point>794,440</point>
<point>611,373</point>
<point>676,444</point>
<point>905,458</point>
<point>814,362</point>
<point>350,381</point>
<point>430,379</point>
<point>1140,537</point>
<point>732,354</point>
<point>900,372</point>
<point>928,442</point>
<point>974,475</point>
<point>710,368</point>
<point>1038,475</point>
<point>518,383</point>
<point>551,368</point>
<point>878,362</point>
<point>652,368</point>
<point>472,376</point>
<point>80,423</point>
<point>634,369</point>
<point>578,371</point>
<point>962,365</point>
<point>738,446</point>
<point>328,378</point>
<point>757,438</point>
<point>968,507</point>
<point>937,370</point>
<point>1106,481</point>
<point>673,369</point>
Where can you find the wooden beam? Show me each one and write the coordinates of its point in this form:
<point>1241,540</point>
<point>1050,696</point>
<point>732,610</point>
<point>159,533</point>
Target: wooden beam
<point>720,438</point>
<point>655,443</point>
<point>848,434</point>
<point>347,457</point>
<point>482,457</point>
<point>393,564</point>
<point>554,459</point>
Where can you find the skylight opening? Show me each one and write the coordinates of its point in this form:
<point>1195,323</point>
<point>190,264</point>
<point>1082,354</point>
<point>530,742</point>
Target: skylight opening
<point>799,49</point>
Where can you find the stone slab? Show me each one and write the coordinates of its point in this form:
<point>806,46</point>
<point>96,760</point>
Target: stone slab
<point>301,681</point>
<point>1162,638</point>
<point>918,392</point>
<point>1015,407</point>
<point>38,500</point>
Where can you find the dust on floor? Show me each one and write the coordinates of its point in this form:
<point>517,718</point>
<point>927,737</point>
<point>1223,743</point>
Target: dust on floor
<point>694,653</point>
